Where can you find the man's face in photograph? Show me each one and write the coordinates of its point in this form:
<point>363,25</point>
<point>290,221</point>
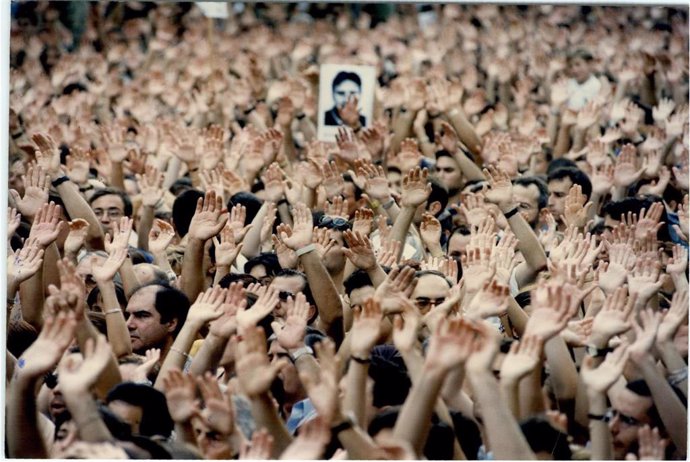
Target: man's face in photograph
<point>344,90</point>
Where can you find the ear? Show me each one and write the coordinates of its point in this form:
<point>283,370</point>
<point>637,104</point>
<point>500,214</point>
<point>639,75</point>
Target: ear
<point>172,325</point>
<point>434,208</point>
<point>312,312</point>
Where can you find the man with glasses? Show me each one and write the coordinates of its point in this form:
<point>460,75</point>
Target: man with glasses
<point>109,205</point>
<point>431,290</point>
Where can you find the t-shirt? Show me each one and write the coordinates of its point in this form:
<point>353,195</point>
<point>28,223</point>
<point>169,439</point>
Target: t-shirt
<point>581,94</point>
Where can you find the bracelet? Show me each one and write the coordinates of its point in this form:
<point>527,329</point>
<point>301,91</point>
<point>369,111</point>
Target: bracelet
<point>678,376</point>
<point>388,204</point>
<point>510,213</point>
<point>179,352</point>
<point>86,188</point>
<point>114,310</point>
<point>57,182</point>
<point>305,249</point>
<point>346,424</point>
<point>281,202</point>
<point>361,360</point>
<point>596,417</point>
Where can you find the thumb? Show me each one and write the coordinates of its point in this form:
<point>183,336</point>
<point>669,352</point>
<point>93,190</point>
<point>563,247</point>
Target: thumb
<point>15,195</point>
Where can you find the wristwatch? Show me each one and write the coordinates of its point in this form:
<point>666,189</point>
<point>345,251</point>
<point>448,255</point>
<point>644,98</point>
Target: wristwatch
<point>595,352</point>
<point>347,423</point>
<point>299,352</point>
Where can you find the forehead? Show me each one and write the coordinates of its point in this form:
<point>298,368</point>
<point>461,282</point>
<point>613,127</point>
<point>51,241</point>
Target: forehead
<point>108,201</point>
<point>348,86</point>
<point>431,286</point>
<point>631,404</point>
<point>360,295</point>
<point>143,300</point>
<point>457,242</point>
<point>445,161</point>
<point>560,185</point>
<point>528,193</point>
<point>288,283</point>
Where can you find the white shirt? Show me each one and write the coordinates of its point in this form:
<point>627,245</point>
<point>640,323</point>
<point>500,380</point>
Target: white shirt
<point>581,94</point>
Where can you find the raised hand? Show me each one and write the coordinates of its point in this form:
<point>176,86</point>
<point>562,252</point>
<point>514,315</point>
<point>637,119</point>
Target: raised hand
<point>576,210</point>
<point>644,281</point>
<point>333,181</point>
<point>207,307</point>
<point>141,372</point>
<point>78,164</point>
<point>254,370</point>
<point>324,391</point>
<point>415,188</point>
<point>491,300</point>
<point>260,447</point>
<point>673,318</point>
<point>77,378</point>
<point>366,329</point>
<point>151,186</point>
<point>235,301</point>
<point>238,216</point>
<point>651,445</point>
<point>45,352</point>
<point>24,263</point>
<point>114,141</point>
<point>47,225</point>
<point>287,258</point>
<point>553,307</point>
<point>387,254</point>
<point>396,288</point>
<point>291,334</point>
<point>625,172</point>
<point>218,412</point>
<point>522,358</point>
<point>614,274</point>
<point>679,262</point>
<point>208,218</point>
<point>645,335</point>
<point>500,187</point>
<point>376,183</point>
<point>359,250</point>
<point>121,234</point>
<point>302,229</point>
<point>405,328</point>
<point>273,183</point>
<point>180,394</point>
<point>226,249</point>
<point>614,317</point>
<point>48,154</point>
<point>347,145</point>
<point>78,230</point>
<point>160,236</point>
<point>349,112</point>
<point>430,230</point>
<point>451,345</point>
<point>649,220</point>
<point>599,380</point>
<point>106,271</point>
<point>264,305</point>
<point>36,186</point>
<point>14,219</point>
<point>310,444</point>
<point>73,284</point>
<point>363,222</point>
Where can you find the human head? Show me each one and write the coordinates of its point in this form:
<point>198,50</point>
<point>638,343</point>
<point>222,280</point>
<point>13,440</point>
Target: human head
<point>17,170</point>
<point>143,407</point>
<point>346,85</point>
<point>183,210</point>
<point>431,290</point>
<point>289,283</point>
<point>546,442</point>
<point>264,265</point>
<point>560,181</point>
<point>109,205</point>
<point>147,273</point>
<point>155,314</point>
<point>631,407</point>
<point>579,63</point>
<point>359,288</point>
<point>447,171</point>
<point>530,195</point>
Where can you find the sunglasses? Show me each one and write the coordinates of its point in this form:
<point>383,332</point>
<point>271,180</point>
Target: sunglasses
<point>337,223</point>
<point>424,302</point>
<point>283,295</point>
<point>51,380</point>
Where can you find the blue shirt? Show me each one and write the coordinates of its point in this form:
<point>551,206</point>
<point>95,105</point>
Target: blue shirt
<point>303,411</point>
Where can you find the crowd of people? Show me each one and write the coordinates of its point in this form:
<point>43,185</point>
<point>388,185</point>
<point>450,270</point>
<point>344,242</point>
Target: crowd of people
<point>494,267</point>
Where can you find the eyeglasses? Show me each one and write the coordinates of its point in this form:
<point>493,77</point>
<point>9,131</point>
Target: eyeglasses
<point>51,380</point>
<point>626,419</point>
<point>424,302</point>
<point>112,213</point>
<point>337,223</point>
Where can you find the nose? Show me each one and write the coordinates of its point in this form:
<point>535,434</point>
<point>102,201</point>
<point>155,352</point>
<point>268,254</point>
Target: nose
<point>614,425</point>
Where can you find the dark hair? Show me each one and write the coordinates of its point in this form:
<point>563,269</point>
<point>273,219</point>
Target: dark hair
<point>140,256</point>
<point>229,278</point>
<point>181,185</point>
<point>170,303</point>
<point>100,192</point>
<point>344,76</point>
<point>439,193</point>
<point>268,260</point>
<point>119,293</point>
<point>20,336</point>
<point>580,53</point>
<point>443,153</point>
<point>543,437</point>
<point>526,181</point>
<point>439,443</point>
<point>155,417</point>
<point>467,433</point>
<point>560,163</point>
<point>250,202</point>
<point>575,175</point>
<point>183,210</point>
<point>288,272</point>
<point>358,191</point>
<point>357,280</point>
<point>618,209</point>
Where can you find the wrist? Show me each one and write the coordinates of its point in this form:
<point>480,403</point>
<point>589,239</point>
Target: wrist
<point>599,341</point>
<point>507,207</point>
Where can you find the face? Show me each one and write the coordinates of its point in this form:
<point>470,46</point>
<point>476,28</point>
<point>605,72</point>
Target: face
<point>108,209</point>
<point>527,200</point>
<point>127,413</point>
<point>431,291</point>
<point>258,271</point>
<point>361,295</point>
<point>144,321</point>
<point>394,180</point>
<point>66,435</point>
<point>334,259</point>
<point>344,90</point>
<point>17,171</point>
<point>448,173</point>
<point>558,191</point>
<point>457,244</point>
<point>629,413</point>
<point>540,163</point>
<point>288,374</point>
<point>579,69</point>
<point>289,286</point>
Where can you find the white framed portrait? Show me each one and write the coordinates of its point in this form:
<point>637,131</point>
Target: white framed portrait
<point>338,84</point>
